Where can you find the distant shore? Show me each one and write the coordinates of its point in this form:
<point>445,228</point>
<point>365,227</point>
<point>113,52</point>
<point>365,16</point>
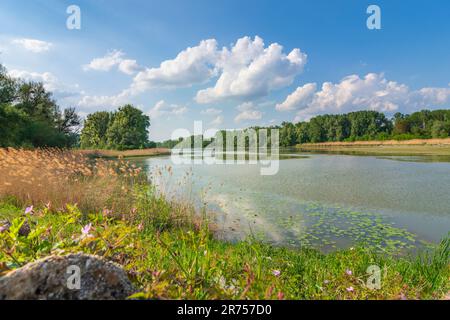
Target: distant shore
<point>440,147</point>
<point>127,153</point>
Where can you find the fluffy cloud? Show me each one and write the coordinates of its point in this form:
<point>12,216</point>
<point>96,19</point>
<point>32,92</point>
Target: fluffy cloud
<point>162,108</point>
<point>33,45</point>
<point>250,70</point>
<point>105,102</point>
<point>129,66</point>
<point>248,111</point>
<point>50,82</point>
<point>373,92</point>
<point>191,66</point>
<point>111,60</point>
<point>301,96</point>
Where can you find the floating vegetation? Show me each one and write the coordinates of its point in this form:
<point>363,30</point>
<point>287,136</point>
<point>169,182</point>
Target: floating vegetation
<point>327,228</point>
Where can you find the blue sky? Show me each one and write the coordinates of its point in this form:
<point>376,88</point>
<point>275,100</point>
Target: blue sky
<point>250,62</point>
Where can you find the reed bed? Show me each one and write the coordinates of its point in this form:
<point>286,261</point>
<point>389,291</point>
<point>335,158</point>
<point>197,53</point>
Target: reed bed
<point>55,178</point>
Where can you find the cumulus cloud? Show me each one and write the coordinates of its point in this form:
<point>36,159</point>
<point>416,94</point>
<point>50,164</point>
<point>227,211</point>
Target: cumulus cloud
<point>191,66</point>
<point>245,70</point>
<point>248,111</point>
<point>301,96</point>
<point>129,66</point>
<point>33,45</point>
<point>113,59</point>
<point>249,70</point>
<point>162,108</point>
<point>373,92</point>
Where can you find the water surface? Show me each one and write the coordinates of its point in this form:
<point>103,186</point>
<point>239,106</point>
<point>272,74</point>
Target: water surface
<point>323,200</point>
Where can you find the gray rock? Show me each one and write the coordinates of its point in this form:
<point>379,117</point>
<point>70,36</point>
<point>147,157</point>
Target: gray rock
<point>54,278</point>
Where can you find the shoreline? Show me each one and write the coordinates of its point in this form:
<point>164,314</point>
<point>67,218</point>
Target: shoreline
<point>432,147</point>
<point>126,153</point>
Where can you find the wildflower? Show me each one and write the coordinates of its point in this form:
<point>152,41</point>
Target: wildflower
<point>85,230</point>
<point>276,273</point>
<point>348,272</point>
<point>280,295</point>
<point>140,227</point>
<point>29,210</point>
<point>350,289</point>
<point>403,296</point>
<point>4,227</point>
<point>107,212</point>
<point>326,281</point>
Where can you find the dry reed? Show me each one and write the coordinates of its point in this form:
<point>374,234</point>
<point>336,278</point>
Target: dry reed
<point>55,178</point>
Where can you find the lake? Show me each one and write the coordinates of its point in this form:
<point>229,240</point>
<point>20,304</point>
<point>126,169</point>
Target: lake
<point>327,201</point>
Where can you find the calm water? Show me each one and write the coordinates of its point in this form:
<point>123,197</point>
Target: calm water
<point>324,200</point>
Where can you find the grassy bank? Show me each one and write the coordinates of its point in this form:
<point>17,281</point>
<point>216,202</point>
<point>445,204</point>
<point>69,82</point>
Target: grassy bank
<point>437,147</point>
<point>127,153</point>
<point>170,251</point>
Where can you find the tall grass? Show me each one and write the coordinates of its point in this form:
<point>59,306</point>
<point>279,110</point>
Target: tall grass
<point>56,178</point>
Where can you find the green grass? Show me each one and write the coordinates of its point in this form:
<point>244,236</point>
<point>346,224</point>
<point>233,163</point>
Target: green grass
<point>169,252</point>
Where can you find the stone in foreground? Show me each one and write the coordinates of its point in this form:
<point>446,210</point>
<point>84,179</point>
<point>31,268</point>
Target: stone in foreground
<point>56,277</point>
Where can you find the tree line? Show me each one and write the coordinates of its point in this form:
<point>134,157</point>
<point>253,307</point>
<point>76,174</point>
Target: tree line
<point>366,125</point>
<point>355,126</point>
<point>30,117</point>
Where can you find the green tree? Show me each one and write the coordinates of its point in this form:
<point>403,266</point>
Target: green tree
<point>30,117</point>
<point>93,134</point>
<point>128,129</point>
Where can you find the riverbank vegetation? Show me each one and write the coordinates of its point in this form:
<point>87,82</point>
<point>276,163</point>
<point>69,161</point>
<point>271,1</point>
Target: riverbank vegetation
<point>58,202</point>
<point>366,126</point>
<point>105,153</point>
<point>423,147</point>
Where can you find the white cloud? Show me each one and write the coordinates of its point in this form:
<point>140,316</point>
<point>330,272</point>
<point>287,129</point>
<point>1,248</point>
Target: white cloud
<point>248,111</point>
<point>33,45</point>
<point>373,92</point>
<point>129,66</point>
<point>250,70</point>
<point>191,66</point>
<point>217,121</point>
<point>51,82</point>
<point>106,102</point>
<point>162,108</point>
<point>112,59</point>
<point>301,96</point>
<point>211,111</point>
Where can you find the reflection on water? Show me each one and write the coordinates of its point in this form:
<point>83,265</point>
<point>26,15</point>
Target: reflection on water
<point>324,200</point>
